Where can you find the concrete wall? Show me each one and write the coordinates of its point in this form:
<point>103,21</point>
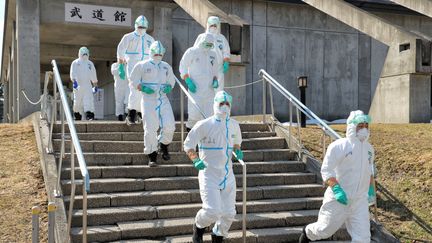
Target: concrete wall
<point>289,40</point>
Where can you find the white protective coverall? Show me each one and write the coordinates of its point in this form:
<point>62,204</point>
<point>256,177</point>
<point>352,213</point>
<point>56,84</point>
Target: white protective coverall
<point>121,91</point>
<point>349,161</point>
<point>157,111</point>
<point>201,66</point>
<point>135,47</point>
<point>84,72</point>
<point>221,46</point>
<point>216,137</point>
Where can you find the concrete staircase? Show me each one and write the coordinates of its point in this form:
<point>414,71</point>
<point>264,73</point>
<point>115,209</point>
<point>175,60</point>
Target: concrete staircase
<point>131,202</point>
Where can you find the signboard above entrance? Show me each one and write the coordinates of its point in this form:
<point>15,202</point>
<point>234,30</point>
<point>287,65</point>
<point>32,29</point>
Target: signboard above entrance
<point>96,14</point>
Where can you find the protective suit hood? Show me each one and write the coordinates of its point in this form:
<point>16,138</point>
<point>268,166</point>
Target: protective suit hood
<point>207,40</point>
<point>83,51</point>
<point>141,21</point>
<point>157,48</point>
<point>222,112</point>
<point>355,118</point>
<point>213,20</point>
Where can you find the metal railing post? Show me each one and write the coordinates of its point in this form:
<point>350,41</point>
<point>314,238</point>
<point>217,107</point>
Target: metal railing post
<point>271,106</point>
<point>73,186</point>
<point>44,108</point>
<point>264,100</point>
<point>182,118</point>
<point>62,152</point>
<point>84,227</point>
<point>298,130</point>
<point>56,101</point>
<point>244,210</point>
<point>53,117</point>
<point>324,144</point>
<point>35,224</point>
<point>51,221</point>
<point>290,124</point>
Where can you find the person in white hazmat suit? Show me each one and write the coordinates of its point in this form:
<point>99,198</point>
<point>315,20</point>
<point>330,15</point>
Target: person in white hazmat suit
<point>221,46</point>
<point>200,70</point>
<point>155,78</point>
<point>134,47</point>
<point>121,92</point>
<point>346,170</point>
<point>83,77</point>
<point>217,137</point>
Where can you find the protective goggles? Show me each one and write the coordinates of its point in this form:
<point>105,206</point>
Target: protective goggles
<point>208,45</point>
<point>360,119</point>
<point>224,103</point>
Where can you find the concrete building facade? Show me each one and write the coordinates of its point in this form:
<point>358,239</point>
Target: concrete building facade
<point>287,39</point>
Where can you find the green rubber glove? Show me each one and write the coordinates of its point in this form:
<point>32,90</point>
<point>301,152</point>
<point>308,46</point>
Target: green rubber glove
<point>122,72</point>
<point>215,84</point>
<point>340,194</point>
<point>199,164</point>
<point>371,192</point>
<point>239,154</point>
<point>147,90</point>
<point>371,195</point>
<point>191,85</point>
<point>225,67</point>
<point>167,89</point>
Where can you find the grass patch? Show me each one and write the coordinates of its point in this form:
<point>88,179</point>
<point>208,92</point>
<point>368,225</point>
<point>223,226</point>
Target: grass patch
<point>404,164</point>
<point>21,184</point>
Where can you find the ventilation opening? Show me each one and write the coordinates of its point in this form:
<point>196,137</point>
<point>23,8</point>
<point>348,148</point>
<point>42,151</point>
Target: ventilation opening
<point>404,47</point>
<point>426,53</point>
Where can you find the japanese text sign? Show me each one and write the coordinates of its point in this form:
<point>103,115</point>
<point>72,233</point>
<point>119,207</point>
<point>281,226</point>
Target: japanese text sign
<point>95,14</point>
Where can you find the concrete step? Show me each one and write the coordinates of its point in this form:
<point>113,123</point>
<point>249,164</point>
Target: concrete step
<point>184,196</point>
<point>138,146</point>
<point>263,235</point>
<point>143,171</point>
<point>112,215</point>
<point>113,158</point>
<point>117,126</point>
<point>138,136</point>
<point>183,182</point>
<point>182,226</point>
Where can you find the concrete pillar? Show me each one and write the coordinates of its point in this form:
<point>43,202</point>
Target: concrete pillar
<point>6,101</point>
<point>9,89</point>
<point>14,76</point>
<point>28,55</point>
<point>163,30</point>
<point>402,99</point>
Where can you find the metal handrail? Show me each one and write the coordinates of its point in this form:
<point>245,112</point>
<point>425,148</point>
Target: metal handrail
<point>300,106</point>
<point>244,170</point>
<point>75,146</point>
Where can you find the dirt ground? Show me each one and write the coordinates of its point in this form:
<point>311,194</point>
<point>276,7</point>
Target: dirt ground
<point>404,164</point>
<point>21,184</point>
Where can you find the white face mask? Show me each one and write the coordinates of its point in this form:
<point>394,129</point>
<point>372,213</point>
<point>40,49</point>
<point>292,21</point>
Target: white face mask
<point>223,111</point>
<point>363,134</point>
<point>85,57</point>
<point>213,30</point>
<point>141,31</point>
<point>157,59</point>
